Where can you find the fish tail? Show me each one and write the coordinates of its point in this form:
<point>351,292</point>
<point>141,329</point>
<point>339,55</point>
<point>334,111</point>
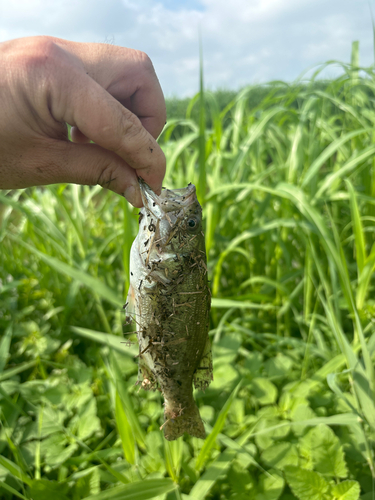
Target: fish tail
<point>179,420</point>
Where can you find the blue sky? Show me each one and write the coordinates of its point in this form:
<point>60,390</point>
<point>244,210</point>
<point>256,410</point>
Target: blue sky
<point>244,41</point>
<point>183,4</point>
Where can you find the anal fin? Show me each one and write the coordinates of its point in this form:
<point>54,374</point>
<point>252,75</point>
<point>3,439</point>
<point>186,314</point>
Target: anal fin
<point>204,372</point>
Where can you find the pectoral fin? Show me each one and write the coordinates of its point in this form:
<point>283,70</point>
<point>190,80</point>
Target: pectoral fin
<point>204,373</point>
<point>130,306</point>
<point>145,376</point>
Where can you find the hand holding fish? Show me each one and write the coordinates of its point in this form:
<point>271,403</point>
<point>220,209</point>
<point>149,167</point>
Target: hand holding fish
<point>109,95</point>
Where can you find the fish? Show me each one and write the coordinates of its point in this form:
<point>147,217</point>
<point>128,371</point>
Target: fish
<point>169,301</point>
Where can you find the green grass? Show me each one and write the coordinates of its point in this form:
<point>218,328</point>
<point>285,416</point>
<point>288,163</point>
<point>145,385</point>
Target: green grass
<point>288,190</point>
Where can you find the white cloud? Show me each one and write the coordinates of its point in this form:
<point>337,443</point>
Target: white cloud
<point>244,41</point>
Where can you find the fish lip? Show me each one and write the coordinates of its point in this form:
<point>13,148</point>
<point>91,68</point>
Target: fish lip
<point>169,200</point>
<point>147,194</point>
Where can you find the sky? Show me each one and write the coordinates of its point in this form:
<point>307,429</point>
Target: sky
<point>244,41</point>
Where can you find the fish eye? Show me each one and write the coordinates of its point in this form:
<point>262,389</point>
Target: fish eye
<point>192,223</point>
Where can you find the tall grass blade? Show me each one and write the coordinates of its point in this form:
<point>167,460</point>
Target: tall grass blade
<point>14,492</point>
<point>125,431</point>
<point>139,490</point>
<point>82,277</point>
<point>359,235</point>
<point>328,152</point>
<point>130,417</point>
<point>216,469</point>
<point>339,419</point>
<point>201,188</point>
<point>15,470</point>
<point>112,341</point>
<point>358,428</point>
<point>11,372</point>
<point>211,438</point>
<point>356,162</point>
<point>173,457</point>
<point>4,347</point>
<point>365,279</point>
<point>355,62</point>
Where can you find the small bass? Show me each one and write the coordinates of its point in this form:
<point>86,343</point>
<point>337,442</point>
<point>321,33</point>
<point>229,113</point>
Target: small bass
<point>169,300</point>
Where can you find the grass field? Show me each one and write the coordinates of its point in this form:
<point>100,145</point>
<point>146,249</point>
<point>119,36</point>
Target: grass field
<point>288,190</point>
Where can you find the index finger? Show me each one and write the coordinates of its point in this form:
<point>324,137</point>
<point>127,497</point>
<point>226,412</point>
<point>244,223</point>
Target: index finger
<point>128,75</point>
<point>93,104</point>
<point>147,101</point>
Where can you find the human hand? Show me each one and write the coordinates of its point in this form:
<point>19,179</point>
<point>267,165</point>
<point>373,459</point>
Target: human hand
<point>109,95</point>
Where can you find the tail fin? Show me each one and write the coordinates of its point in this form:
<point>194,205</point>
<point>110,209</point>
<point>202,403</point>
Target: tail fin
<point>180,420</point>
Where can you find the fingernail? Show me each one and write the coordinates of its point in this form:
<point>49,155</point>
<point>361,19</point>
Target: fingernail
<point>130,194</point>
<point>133,195</point>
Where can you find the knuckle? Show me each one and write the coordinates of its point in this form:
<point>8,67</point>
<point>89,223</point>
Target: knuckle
<point>42,62</point>
<point>41,69</point>
<point>41,52</point>
<point>130,123</point>
<point>128,129</point>
<point>144,60</point>
<point>144,63</point>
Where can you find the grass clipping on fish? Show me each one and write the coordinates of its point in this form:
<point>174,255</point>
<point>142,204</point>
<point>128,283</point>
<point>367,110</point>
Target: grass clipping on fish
<point>169,300</point>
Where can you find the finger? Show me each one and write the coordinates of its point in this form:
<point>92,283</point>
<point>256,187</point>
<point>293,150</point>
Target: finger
<point>77,136</point>
<point>57,161</point>
<point>90,164</point>
<point>147,101</point>
<point>128,75</point>
<point>102,119</point>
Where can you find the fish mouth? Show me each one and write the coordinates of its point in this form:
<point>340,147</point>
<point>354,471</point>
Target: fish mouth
<point>170,200</point>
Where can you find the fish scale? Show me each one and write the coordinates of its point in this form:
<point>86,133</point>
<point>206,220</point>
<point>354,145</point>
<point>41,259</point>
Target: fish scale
<point>169,299</point>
